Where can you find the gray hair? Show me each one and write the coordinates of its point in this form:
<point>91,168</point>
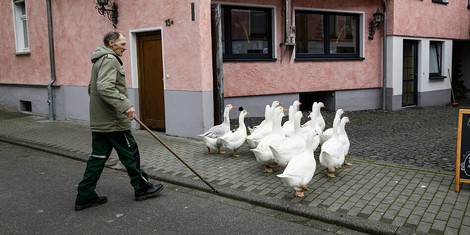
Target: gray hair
<point>111,36</point>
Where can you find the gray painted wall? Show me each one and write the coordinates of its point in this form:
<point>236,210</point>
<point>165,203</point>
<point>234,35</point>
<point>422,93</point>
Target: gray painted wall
<point>12,95</point>
<point>353,100</point>
<point>191,113</point>
<point>434,98</point>
<point>394,102</point>
<point>430,98</point>
<point>76,103</point>
<point>188,113</point>
<point>255,105</point>
<point>71,102</point>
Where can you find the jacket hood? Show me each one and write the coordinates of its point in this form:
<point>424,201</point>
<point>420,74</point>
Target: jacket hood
<point>101,51</point>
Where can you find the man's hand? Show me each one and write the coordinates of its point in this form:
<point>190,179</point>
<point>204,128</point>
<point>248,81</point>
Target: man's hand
<point>131,113</point>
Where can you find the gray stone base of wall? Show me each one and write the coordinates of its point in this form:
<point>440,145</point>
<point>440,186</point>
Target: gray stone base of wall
<point>189,113</point>
<point>349,100</point>
<point>30,99</point>
<point>354,100</point>
<point>255,105</point>
<point>429,98</point>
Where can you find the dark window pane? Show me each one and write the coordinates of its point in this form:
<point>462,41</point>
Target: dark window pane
<point>309,33</point>
<point>326,34</point>
<point>249,34</point>
<point>343,34</point>
<point>25,33</point>
<point>435,51</point>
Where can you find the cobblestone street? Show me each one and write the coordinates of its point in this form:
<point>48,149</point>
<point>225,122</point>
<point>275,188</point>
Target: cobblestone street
<point>401,180</point>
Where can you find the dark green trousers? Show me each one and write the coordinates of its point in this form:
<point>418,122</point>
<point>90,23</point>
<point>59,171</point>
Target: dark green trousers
<point>103,143</point>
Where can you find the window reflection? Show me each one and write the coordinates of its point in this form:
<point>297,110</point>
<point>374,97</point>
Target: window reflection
<point>321,34</point>
<point>246,32</point>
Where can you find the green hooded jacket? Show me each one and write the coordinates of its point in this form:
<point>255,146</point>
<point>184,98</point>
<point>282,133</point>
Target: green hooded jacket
<point>108,93</point>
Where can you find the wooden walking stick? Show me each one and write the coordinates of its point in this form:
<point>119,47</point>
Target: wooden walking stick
<point>173,152</point>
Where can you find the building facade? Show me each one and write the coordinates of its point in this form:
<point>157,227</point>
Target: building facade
<point>186,58</point>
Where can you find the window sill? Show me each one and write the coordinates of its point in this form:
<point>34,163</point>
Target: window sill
<point>438,78</point>
<point>328,59</point>
<point>250,60</point>
<point>23,53</point>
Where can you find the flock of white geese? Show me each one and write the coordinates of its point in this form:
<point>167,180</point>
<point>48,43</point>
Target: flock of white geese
<point>290,145</point>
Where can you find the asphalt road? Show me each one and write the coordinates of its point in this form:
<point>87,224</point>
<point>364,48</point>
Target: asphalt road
<point>37,193</point>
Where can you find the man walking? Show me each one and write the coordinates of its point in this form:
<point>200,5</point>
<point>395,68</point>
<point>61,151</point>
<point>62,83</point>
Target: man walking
<point>111,113</point>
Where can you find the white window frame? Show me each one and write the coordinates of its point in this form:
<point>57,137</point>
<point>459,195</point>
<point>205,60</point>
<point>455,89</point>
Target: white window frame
<point>20,21</point>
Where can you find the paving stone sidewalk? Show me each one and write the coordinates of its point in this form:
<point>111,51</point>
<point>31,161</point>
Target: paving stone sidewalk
<point>401,180</point>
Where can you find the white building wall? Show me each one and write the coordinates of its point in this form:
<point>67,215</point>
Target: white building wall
<point>426,86</point>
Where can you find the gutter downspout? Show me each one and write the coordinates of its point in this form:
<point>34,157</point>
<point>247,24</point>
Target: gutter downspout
<point>219,62</point>
<point>384,59</point>
<point>50,94</point>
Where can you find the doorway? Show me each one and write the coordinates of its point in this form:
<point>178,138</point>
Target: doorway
<point>150,72</point>
<point>410,73</point>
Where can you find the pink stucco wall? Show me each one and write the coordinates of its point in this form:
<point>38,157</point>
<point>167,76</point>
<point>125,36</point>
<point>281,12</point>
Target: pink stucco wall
<point>187,48</point>
<point>288,76</point>
<point>450,21</point>
<point>25,69</point>
<point>79,29</point>
<point>186,43</point>
<point>185,51</point>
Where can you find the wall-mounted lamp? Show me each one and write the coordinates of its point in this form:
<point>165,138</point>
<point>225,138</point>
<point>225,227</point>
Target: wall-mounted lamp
<point>375,23</point>
<point>111,13</point>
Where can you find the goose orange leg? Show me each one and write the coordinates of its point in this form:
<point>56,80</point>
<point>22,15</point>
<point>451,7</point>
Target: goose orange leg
<point>267,169</point>
<point>219,151</point>
<point>235,153</point>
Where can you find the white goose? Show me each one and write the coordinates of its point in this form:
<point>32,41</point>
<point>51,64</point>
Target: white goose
<point>332,152</point>
<point>320,121</point>
<point>311,115</point>
<point>210,137</point>
<point>263,129</point>
<point>234,140</point>
<point>267,118</point>
<point>316,116</point>
<point>300,170</point>
<point>262,152</point>
<point>291,146</point>
<point>328,132</point>
<point>288,126</point>
<point>312,125</point>
<point>343,137</point>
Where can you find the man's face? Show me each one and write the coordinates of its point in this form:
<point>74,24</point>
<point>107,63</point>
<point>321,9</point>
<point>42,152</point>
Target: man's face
<point>118,46</point>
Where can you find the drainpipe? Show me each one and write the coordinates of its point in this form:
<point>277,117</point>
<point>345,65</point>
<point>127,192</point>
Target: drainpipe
<point>219,62</point>
<point>384,60</point>
<point>50,95</point>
